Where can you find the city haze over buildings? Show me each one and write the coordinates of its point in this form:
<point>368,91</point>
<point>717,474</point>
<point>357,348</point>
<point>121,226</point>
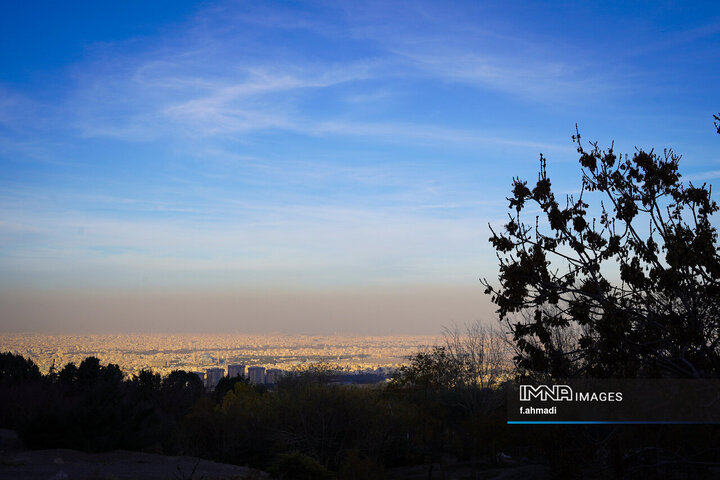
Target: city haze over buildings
<point>163,353</point>
<point>312,167</point>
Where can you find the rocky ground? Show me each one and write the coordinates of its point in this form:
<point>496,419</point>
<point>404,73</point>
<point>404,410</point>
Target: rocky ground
<point>18,463</point>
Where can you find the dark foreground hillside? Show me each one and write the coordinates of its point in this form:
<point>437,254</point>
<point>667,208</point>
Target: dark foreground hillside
<point>90,421</point>
<point>19,463</point>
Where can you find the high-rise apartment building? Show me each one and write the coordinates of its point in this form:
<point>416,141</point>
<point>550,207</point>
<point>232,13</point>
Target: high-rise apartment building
<point>236,370</point>
<point>272,376</point>
<point>213,376</point>
<point>256,374</point>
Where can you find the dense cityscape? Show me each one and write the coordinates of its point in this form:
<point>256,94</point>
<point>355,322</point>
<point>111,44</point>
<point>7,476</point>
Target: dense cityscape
<point>163,353</point>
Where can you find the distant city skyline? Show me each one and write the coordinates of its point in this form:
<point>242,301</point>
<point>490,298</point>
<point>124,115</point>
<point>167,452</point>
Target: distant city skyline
<point>166,352</point>
<point>312,167</point>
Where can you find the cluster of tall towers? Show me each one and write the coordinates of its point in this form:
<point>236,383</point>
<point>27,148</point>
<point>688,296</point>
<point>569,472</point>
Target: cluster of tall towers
<point>256,375</point>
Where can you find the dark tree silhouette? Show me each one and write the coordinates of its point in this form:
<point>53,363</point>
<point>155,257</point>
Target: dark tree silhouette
<point>91,371</point>
<point>637,276</point>
<point>433,369</point>
<point>227,384</point>
<point>180,390</point>
<point>68,374</point>
<point>17,369</point>
<point>147,380</point>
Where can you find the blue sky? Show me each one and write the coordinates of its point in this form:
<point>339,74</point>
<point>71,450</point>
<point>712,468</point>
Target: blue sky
<point>313,145</point>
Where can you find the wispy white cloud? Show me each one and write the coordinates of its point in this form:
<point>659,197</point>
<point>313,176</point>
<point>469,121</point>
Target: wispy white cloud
<point>476,51</point>
<point>249,98</point>
<point>228,109</point>
<point>198,86</point>
<point>430,134</point>
<point>672,39</point>
<point>702,176</point>
<point>533,80</point>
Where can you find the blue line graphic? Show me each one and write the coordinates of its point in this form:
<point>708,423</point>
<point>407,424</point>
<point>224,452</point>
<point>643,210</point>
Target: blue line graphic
<point>601,422</point>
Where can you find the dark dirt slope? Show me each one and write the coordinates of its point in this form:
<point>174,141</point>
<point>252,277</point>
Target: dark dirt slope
<point>17,463</point>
